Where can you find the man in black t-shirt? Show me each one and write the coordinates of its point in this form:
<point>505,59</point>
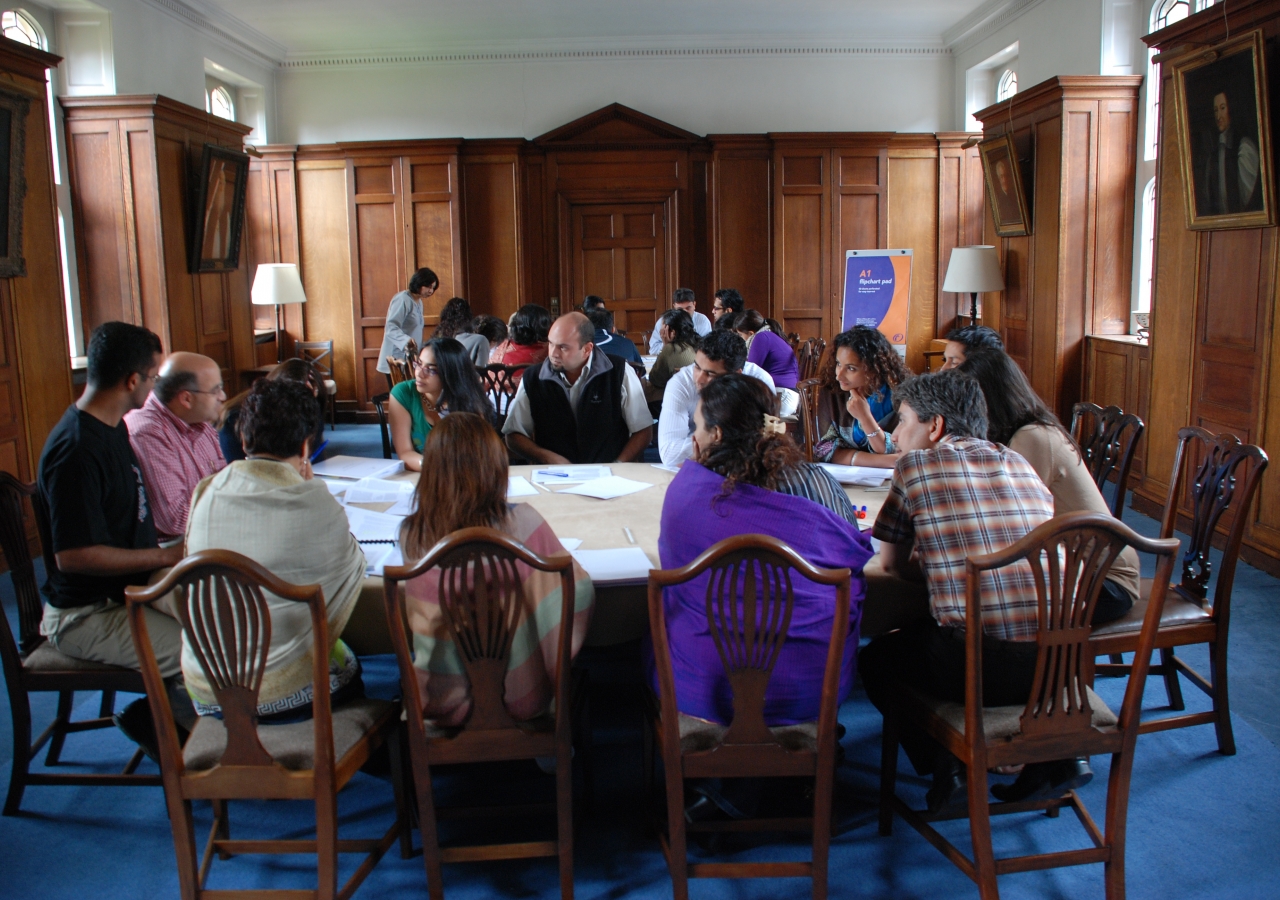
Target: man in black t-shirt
<point>104,538</point>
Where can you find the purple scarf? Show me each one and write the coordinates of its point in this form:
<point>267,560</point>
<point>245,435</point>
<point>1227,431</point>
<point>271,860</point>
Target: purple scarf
<point>691,524</point>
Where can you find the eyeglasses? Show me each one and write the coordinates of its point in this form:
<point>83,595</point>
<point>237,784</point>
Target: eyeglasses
<point>428,369</point>
<point>145,378</point>
<point>216,389</point>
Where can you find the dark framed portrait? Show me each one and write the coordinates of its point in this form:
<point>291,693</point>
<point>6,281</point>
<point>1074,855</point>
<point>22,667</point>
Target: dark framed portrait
<point>1005,192</point>
<point>219,210</point>
<point>1224,134</point>
<point>13,182</point>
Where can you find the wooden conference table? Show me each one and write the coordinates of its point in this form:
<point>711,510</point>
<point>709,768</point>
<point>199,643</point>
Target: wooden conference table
<point>621,609</point>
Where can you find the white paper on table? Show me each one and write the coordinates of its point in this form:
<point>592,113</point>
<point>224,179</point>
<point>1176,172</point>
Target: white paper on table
<point>519,486</point>
<point>376,490</point>
<point>336,487</point>
<point>368,525</point>
<point>379,556</point>
<point>608,488</point>
<point>622,564</point>
<point>675,469</point>
<point>357,467</point>
<point>402,507</point>
<point>554,475</point>
<point>864,476</point>
<point>570,544</point>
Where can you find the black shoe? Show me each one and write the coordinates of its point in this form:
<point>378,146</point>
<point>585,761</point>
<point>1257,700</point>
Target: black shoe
<point>135,722</point>
<point>948,783</point>
<point>1039,781</point>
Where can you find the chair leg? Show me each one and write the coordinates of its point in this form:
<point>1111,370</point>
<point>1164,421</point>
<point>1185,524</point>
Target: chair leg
<point>1117,659</point>
<point>430,835</point>
<point>184,846</point>
<point>108,704</point>
<point>327,846</point>
<point>564,819</point>
<point>823,790</point>
<point>20,709</point>
<point>1116,819</point>
<point>678,855</point>
<point>888,771</point>
<point>222,815</point>
<point>400,782</point>
<point>1171,684</point>
<point>1221,704</point>
<point>333,412</point>
<point>61,720</point>
<point>984,862</point>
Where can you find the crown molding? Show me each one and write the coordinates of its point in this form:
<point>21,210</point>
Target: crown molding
<point>226,29</point>
<point>983,22</point>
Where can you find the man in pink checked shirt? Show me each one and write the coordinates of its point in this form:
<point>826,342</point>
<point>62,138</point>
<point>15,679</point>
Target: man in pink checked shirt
<point>174,438</point>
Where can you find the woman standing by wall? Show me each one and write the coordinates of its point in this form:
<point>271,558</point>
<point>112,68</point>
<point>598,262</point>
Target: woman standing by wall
<point>404,317</point>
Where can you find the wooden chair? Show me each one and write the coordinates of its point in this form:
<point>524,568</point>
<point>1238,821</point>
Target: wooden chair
<point>218,592</point>
<point>500,383</point>
<point>808,356</point>
<point>1107,439</point>
<point>809,391</point>
<point>32,665</point>
<point>401,369</point>
<point>481,614</point>
<point>1226,477</point>
<point>380,407</point>
<point>749,605</point>
<point>1062,719</point>
<point>320,355</point>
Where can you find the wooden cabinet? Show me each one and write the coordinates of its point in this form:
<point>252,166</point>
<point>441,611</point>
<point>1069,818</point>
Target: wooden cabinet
<point>1076,138</point>
<point>35,361</point>
<point>131,161</point>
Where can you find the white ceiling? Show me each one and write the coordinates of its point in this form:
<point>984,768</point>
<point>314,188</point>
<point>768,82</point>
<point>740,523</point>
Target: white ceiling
<point>305,27</point>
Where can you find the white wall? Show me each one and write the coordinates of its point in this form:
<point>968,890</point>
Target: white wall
<point>526,98</point>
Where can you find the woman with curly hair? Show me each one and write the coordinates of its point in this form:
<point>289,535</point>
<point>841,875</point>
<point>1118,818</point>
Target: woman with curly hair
<point>456,322</point>
<point>298,370</point>
<point>748,477</point>
<point>867,368</point>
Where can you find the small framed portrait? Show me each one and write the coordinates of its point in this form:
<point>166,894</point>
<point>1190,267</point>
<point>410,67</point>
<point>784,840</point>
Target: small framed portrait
<point>13,182</point>
<point>219,210</point>
<point>1224,134</point>
<point>1004,186</point>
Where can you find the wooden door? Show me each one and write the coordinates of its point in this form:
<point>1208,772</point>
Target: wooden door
<point>619,252</point>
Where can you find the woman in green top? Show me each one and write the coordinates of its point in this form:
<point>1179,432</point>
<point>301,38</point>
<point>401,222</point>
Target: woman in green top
<point>679,345</point>
<point>444,381</point>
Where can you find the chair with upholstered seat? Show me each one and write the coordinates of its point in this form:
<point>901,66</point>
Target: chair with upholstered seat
<point>807,411</point>
<point>401,367</point>
<point>749,606</point>
<point>227,627</point>
<point>1063,718</point>
<point>1107,439</point>
<point>481,596</point>
<point>32,665</point>
<point>1225,478</point>
<point>320,355</point>
<point>500,383</point>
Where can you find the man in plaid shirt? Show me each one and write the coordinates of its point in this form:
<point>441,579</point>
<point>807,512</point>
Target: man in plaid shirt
<point>955,495</point>
<point>174,438</point>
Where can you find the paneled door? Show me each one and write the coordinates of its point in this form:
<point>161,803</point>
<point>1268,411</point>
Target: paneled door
<point>619,252</point>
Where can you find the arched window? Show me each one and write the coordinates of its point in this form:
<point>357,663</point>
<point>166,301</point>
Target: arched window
<point>1163,13</point>
<point>218,101</point>
<point>18,26</point>
<point>1007,86</point>
<point>1147,251</point>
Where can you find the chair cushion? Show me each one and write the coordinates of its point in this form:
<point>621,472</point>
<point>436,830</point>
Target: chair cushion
<point>699,734</point>
<point>999,722</point>
<point>330,386</point>
<point>1177,611</point>
<point>292,745</point>
<point>45,659</point>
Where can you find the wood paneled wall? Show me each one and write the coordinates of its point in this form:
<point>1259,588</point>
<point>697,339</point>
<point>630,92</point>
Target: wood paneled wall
<point>35,360</point>
<point>131,161</point>
<point>1214,329</point>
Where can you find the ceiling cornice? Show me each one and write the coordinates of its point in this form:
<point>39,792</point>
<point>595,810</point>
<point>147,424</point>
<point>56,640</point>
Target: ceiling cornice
<point>983,22</point>
<point>227,29</point>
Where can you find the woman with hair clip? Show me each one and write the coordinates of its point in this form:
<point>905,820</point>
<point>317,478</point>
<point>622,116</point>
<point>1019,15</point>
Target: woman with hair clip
<point>444,381</point>
<point>748,477</point>
<point>464,485</point>
<point>867,368</point>
<point>1019,419</point>
<point>405,317</point>
<point>679,345</point>
<point>456,322</point>
<point>298,370</point>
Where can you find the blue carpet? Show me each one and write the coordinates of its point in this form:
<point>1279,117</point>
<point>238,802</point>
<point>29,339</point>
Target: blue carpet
<point>1200,825</point>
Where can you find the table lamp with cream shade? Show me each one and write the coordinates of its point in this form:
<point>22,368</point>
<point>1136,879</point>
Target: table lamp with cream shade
<point>971,270</point>
<point>275,284</point>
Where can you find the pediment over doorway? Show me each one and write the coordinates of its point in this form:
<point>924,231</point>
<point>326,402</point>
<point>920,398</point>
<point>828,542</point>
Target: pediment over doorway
<point>616,126</point>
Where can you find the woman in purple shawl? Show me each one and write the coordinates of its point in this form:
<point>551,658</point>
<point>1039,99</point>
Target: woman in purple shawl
<point>747,478</point>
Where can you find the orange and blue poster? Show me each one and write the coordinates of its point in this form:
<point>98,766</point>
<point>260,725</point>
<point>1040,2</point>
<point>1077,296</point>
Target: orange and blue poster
<point>877,291</point>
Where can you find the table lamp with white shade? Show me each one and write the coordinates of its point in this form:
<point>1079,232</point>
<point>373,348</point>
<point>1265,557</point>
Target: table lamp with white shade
<point>971,270</point>
<point>276,284</point>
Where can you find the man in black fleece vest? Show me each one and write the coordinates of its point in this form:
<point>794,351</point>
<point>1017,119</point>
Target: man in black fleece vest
<point>581,405</point>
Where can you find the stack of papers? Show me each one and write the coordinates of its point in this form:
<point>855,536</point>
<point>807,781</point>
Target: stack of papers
<point>608,488</point>
<point>357,467</point>
<point>376,490</point>
<point>554,475</point>
<point>622,564</point>
<point>379,556</point>
<point>519,486</point>
<point>864,476</point>
<point>370,526</point>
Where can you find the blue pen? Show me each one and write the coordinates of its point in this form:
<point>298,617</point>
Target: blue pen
<point>319,450</point>
<point>556,474</point>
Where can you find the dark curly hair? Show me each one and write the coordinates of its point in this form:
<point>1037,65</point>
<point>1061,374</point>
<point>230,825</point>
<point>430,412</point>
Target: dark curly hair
<point>278,416</point>
<point>737,405</point>
<point>681,324</point>
<point>529,325</point>
<point>455,319</point>
<point>725,346</point>
<point>884,364</point>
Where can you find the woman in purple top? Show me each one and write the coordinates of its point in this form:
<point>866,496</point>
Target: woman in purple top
<point>767,350</point>
<point>735,485</point>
